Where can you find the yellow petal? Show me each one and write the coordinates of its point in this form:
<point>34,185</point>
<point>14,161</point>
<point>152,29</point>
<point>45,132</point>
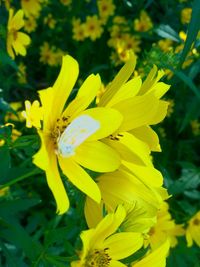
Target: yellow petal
<point>122,76</point>
<point>148,175</point>
<point>97,156</point>
<point>23,38</point>
<point>137,111</point>
<point>127,90</point>
<point>160,89</point>
<point>122,245</point>
<point>157,258</point>
<point>160,113</point>
<point>64,84</point>
<point>109,119</point>
<point>114,263</point>
<point>79,177</point>
<point>19,48</point>
<point>55,184</point>
<point>46,98</point>
<point>85,96</point>
<point>17,21</point>
<point>130,148</point>
<point>147,135</point>
<point>93,212</point>
<point>108,226</point>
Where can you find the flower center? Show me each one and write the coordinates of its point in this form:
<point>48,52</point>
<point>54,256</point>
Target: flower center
<point>71,135</point>
<point>98,258</point>
<point>196,222</point>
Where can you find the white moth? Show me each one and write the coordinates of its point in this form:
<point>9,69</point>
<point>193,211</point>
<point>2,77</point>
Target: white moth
<point>75,134</point>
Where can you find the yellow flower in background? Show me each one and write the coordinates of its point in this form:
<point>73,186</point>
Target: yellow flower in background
<point>93,27</point>
<point>186,15</point>
<point>165,45</point>
<point>156,258</point>
<point>33,114</point>
<point>5,190</point>
<point>50,55</point>
<point>66,2</point>
<point>103,247</point>
<point>31,7</point>
<point>195,125</point>
<point>14,115</point>
<point>50,21</point>
<point>30,24</point>
<point>164,229</point>
<point>21,74</point>
<point>78,30</point>
<point>106,9</point>
<point>16,40</point>
<point>70,136</point>
<point>170,107</point>
<point>144,22</point>
<point>193,230</point>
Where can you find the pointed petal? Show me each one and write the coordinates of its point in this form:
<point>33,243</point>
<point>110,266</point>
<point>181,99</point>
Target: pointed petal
<point>97,156</point>
<point>130,148</point>
<point>85,96</point>
<point>160,89</point>
<point>127,90</point>
<point>122,76</point>
<point>64,84</point>
<point>157,258</point>
<point>79,177</point>
<point>17,21</point>
<point>137,111</point>
<point>55,184</point>
<point>109,119</point>
<point>122,245</point>
<point>108,226</point>
<point>93,212</point>
<point>160,113</point>
<point>147,135</point>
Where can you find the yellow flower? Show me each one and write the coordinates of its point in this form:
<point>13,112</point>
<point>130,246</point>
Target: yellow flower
<point>157,258</point>
<point>31,7</point>
<point>170,107</point>
<point>16,115</point>
<point>33,114</point>
<point>144,23</point>
<point>102,247</point>
<point>66,2</point>
<point>165,45</point>
<point>106,9</point>
<point>30,24</point>
<point>71,136</point>
<point>165,228</point>
<point>16,40</point>
<point>21,74</point>
<point>93,27</point>
<point>186,15</point>
<point>49,55</point>
<point>195,125</point>
<point>50,21</point>
<point>193,230</point>
<point>78,30</point>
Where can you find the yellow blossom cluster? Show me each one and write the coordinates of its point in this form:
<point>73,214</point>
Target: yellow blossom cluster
<point>50,55</point>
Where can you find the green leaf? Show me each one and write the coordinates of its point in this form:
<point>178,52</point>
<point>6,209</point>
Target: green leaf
<point>6,60</point>
<point>166,31</point>
<point>4,162</point>
<point>193,29</point>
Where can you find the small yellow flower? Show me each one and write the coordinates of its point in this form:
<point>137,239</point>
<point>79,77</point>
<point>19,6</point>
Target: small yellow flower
<point>144,23</point>
<point>164,229</point>
<point>165,45</point>
<point>33,114</point>
<point>78,30</point>
<point>50,55</point>
<point>193,230</point>
<point>21,74</point>
<point>93,27</point>
<point>103,247</point>
<point>30,24</point>
<point>31,7</point>
<point>106,9</point>
<point>170,107</point>
<point>66,2</point>
<point>195,125</point>
<point>186,15</point>
<point>16,40</point>
<point>50,21</point>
